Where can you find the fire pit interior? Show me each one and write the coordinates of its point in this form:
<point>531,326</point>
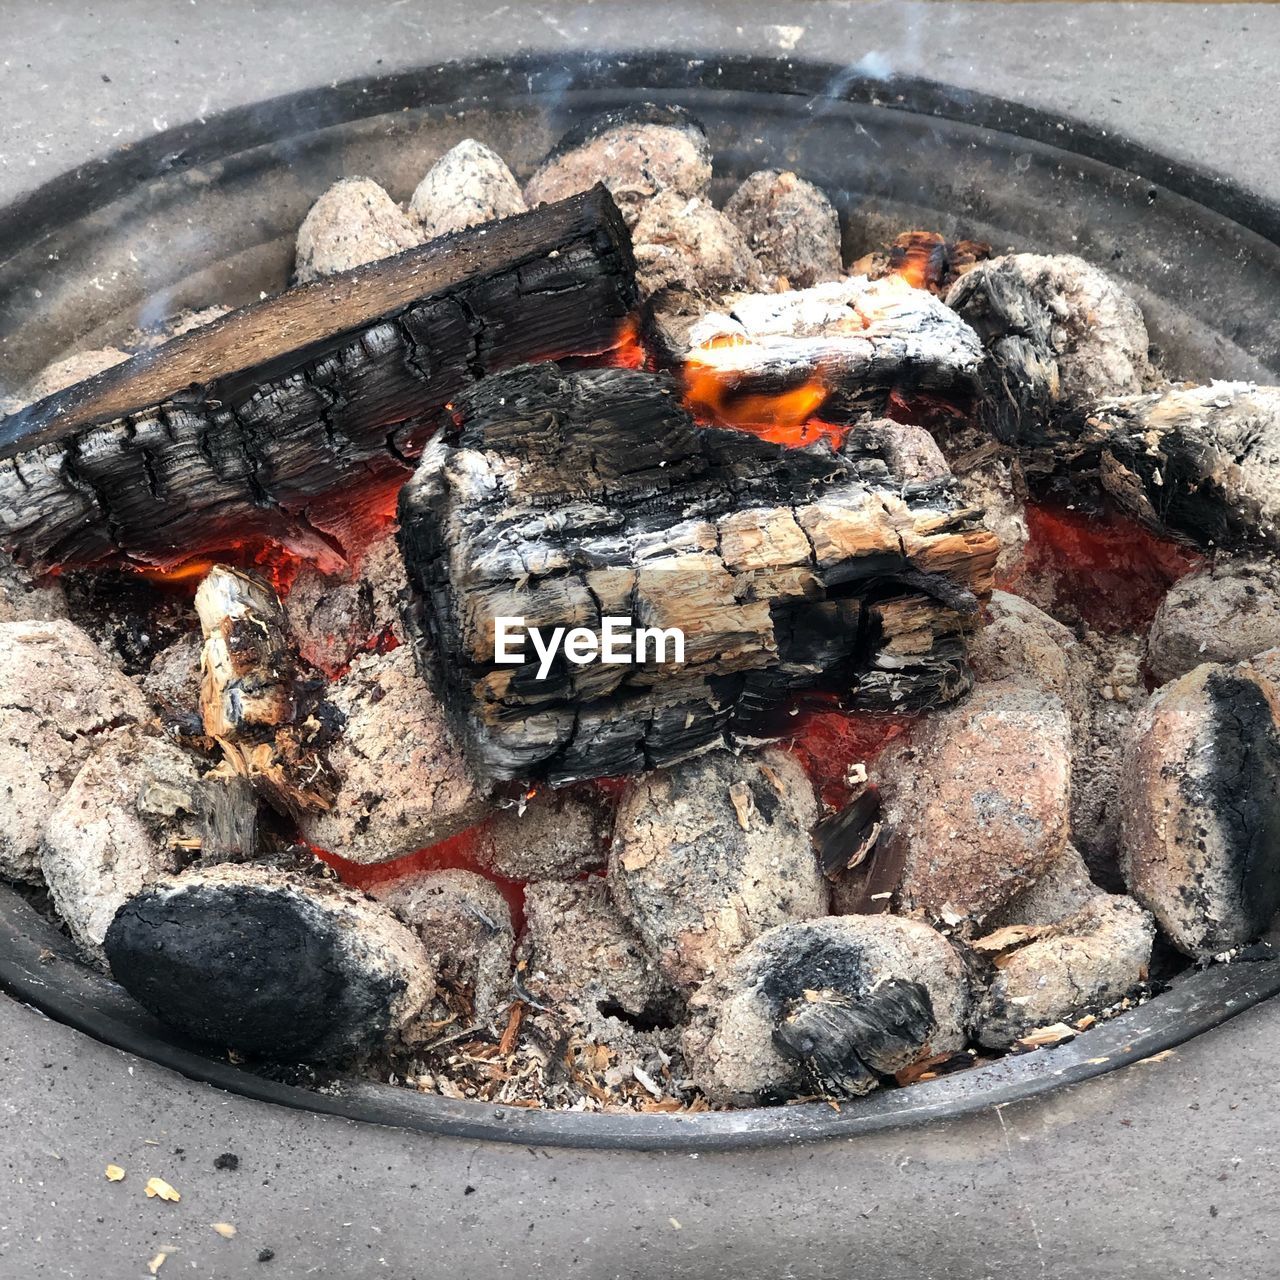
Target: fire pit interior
<point>671,589</point>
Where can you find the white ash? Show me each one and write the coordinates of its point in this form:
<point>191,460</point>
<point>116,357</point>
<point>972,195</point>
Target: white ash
<point>1096,336</point>
<point>469,184</point>
<point>353,223</point>
<point>1117,694</point>
<point>1060,892</point>
<point>24,599</point>
<point>1226,612</point>
<point>551,836</point>
<point>1086,963</point>
<point>381,570</point>
<point>709,854</point>
<point>1023,643</point>
<point>173,679</point>
<point>465,925</point>
<point>71,369</point>
<point>128,817</point>
<point>683,243</point>
<point>997,487</point>
<point>851,328</point>
<point>730,1049</point>
<point>331,618</point>
<point>1200,808</point>
<point>583,955</point>
<point>636,159</point>
<point>58,691</point>
<point>976,804</point>
<point>790,226</point>
<point>404,784</point>
<point>187,321</point>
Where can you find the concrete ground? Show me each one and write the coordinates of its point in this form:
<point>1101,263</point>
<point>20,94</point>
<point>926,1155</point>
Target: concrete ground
<point>1167,1168</point>
<point>1163,1169</point>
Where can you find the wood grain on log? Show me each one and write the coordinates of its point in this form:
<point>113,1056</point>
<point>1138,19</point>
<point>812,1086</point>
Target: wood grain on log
<point>564,499</point>
<point>298,417</point>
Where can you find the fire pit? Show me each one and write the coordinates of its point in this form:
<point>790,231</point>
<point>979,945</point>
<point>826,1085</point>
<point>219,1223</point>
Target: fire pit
<point>887,608</point>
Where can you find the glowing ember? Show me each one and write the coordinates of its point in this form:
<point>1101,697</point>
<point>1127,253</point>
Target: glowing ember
<point>277,564</point>
<point>829,743</point>
<point>629,353</point>
<point>458,853</point>
<point>1105,569</point>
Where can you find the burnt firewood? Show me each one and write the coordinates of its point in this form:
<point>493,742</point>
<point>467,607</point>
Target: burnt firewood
<point>839,348</point>
<point>846,838</point>
<point>296,418</point>
<point>848,1045</point>
<point>1202,463</point>
<point>1059,335</point>
<point>566,499</point>
<point>249,696</point>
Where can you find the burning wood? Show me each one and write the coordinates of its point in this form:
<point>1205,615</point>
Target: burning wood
<point>924,259</point>
<point>295,419</point>
<point>831,352</point>
<point>565,500</point>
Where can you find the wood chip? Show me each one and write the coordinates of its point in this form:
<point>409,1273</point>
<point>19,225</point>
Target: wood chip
<point>514,1018</point>
<point>740,796</point>
<point>115,1173</point>
<point>157,1262</point>
<point>1055,1033</point>
<point>224,1229</point>
<point>159,1187</point>
<point>1011,936</point>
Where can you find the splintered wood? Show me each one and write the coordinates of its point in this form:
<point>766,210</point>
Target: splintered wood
<point>567,499</point>
<point>249,703</point>
<point>296,419</point>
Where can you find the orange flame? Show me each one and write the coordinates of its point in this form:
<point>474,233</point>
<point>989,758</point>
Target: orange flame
<point>629,352</point>
<point>785,417</point>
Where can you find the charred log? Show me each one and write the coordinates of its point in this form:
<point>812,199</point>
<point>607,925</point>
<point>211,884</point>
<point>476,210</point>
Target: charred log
<point>1199,462</point>
<point>566,499</point>
<point>847,344</point>
<point>297,418</point>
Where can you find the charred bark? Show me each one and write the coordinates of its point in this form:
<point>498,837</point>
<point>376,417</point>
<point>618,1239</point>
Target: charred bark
<point>297,418</point>
<point>564,499</point>
<point>1202,463</point>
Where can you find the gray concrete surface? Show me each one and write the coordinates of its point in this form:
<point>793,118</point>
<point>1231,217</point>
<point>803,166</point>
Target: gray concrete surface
<point>1194,81</point>
<point>1167,1168</point>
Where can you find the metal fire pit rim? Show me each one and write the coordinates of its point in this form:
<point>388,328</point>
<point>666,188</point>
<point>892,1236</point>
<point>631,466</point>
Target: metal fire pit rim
<point>97,182</point>
<point>39,967</point>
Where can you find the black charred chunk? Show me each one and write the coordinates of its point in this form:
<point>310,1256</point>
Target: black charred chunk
<point>848,1045</point>
<point>1243,790</point>
<point>268,973</point>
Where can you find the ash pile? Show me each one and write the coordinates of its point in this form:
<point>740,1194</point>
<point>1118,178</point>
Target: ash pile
<point>973,743</point>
